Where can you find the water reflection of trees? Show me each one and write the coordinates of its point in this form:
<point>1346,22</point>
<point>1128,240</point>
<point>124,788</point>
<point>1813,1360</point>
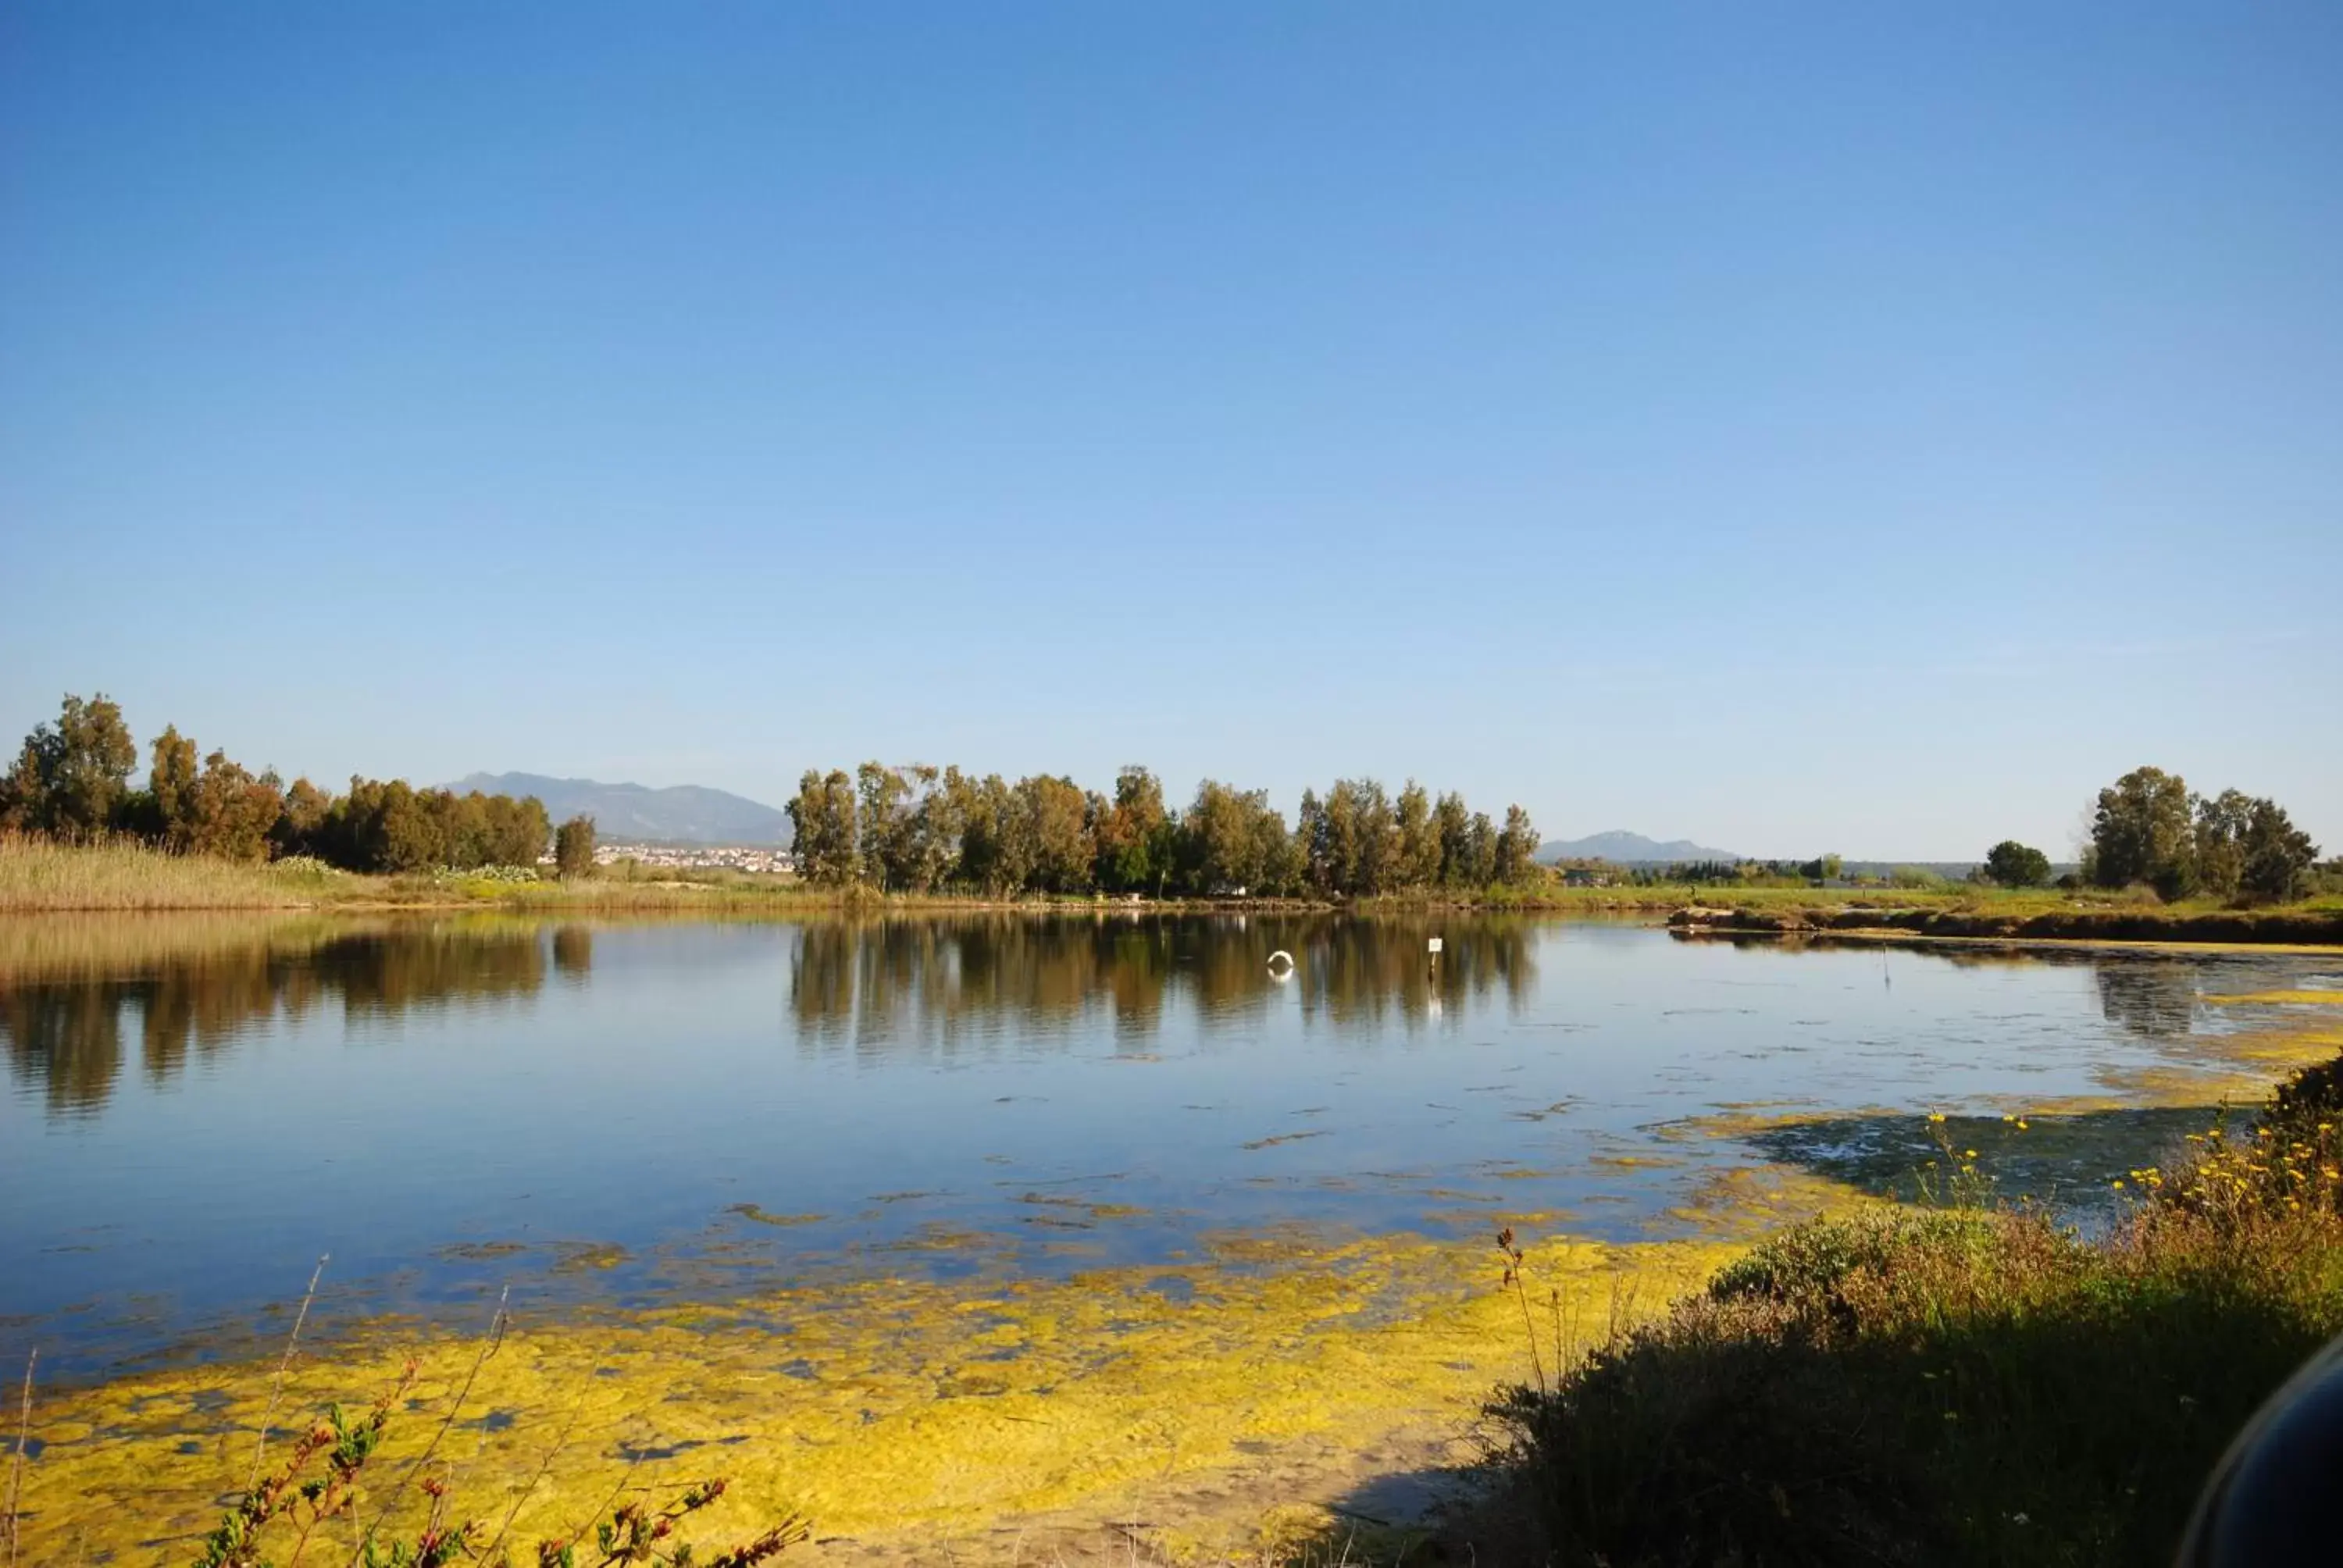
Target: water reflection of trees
<point>2149,994</point>
<point>67,1025</point>
<point>887,983</point>
<point>2152,996</point>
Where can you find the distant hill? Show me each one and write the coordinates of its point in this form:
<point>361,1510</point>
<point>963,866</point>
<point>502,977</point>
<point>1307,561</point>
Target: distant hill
<point>625,813</point>
<point>1627,849</point>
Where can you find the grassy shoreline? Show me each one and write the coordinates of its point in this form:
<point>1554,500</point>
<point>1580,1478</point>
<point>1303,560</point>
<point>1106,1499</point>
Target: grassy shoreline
<point>2315,923</point>
<point>1965,1382</point>
<point>40,877</point>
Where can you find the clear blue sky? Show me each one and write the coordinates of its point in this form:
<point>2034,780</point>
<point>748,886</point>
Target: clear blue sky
<point>1866,427</point>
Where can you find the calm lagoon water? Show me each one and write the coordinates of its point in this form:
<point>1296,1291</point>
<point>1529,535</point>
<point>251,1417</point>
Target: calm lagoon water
<point>194,1109</point>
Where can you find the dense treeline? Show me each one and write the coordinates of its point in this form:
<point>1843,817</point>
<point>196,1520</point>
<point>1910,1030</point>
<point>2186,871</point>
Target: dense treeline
<point>923,830</point>
<point>73,781</point>
<point>1716,873</point>
<point>2148,828</point>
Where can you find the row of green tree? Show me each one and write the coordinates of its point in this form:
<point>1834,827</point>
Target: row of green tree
<point>2148,826</point>
<point>1722,873</point>
<point>73,781</point>
<point>922,829</point>
<point>2147,829</point>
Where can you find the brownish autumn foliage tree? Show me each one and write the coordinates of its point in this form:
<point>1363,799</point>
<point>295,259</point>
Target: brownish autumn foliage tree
<point>573,848</point>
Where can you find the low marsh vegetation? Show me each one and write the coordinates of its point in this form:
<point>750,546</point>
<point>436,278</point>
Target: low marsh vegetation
<point>2020,917</point>
<point>42,875</point>
<point>1967,1382</point>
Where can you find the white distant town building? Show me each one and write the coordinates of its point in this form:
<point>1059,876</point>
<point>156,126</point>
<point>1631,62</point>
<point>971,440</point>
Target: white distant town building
<point>697,856</point>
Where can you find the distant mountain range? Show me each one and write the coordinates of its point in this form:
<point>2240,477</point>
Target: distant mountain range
<point>627,813</point>
<point>1626,848</point>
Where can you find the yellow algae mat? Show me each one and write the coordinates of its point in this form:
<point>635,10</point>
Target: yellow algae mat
<point>904,1416</point>
<point>2283,998</point>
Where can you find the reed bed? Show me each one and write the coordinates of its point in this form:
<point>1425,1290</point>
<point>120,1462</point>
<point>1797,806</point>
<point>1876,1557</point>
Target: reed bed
<point>41,875</point>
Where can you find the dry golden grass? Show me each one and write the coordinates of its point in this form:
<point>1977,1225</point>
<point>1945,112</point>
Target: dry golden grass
<point>39,876</point>
<point>36,874</point>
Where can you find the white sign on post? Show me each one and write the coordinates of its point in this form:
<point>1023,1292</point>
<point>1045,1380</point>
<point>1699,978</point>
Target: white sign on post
<point>1436,944</point>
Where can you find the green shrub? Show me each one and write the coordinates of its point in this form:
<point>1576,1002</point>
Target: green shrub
<point>1968,1385</point>
<point>1809,1263</point>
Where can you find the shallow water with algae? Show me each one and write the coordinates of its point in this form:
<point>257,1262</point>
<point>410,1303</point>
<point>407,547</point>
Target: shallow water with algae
<point>988,1230</point>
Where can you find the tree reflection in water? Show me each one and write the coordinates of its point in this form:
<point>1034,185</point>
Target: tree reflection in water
<point>72,999</point>
<point>2154,997</point>
<point>923,983</point>
<point>67,1007</point>
<point>75,995</point>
